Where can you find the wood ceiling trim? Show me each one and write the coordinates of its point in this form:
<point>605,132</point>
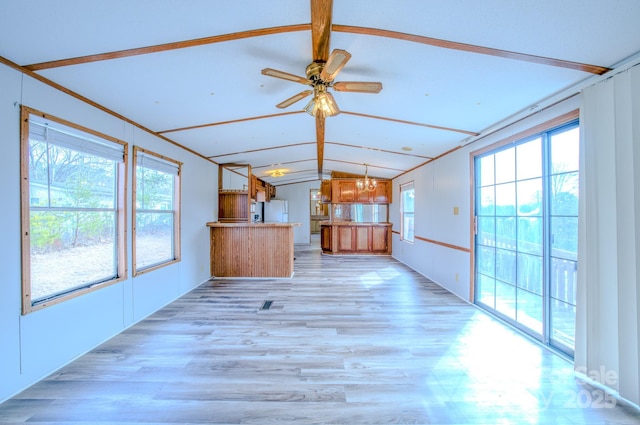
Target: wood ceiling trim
<point>378,150</point>
<point>320,47</point>
<point>298,161</point>
<point>168,46</point>
<point>213,124</point>
<point>341,161</point>
<point>593,69</point>
<point>262,149</point>
<point>437,127</point>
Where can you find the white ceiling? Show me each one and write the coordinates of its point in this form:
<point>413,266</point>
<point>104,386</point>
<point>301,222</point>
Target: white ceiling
<point>433,98</point>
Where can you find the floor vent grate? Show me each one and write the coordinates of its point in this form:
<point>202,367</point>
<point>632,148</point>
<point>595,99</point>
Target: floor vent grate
<point>266,305</point>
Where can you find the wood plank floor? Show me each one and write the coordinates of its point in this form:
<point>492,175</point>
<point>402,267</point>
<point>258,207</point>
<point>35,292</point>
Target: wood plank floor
<point>354,340</point>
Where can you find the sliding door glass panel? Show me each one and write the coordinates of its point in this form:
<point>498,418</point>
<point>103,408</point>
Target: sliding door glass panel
<point>564,159</point>
<point>530,277</point>
<point>526,234</point>
<point>506,199</point>
<point>486,290</point>
<point>506,266</point>
<point>530,292</point>
<point>530,311</point>
<point>506,299</point>
<point>505,166</point>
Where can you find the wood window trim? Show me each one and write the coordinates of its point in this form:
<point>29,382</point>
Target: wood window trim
<point>411,184</point>
<point>177,196</point>
<point>121,198</point>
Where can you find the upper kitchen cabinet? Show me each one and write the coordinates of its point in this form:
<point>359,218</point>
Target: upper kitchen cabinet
<point>344,191</point>
<point>382,193</point>
<point>325,191</point>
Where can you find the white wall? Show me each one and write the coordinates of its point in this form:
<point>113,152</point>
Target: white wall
<point>299,208</point>
<point>439,187</point>
<point>37,344</point>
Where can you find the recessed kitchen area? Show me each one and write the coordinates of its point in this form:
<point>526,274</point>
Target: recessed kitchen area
<point>358,216</point>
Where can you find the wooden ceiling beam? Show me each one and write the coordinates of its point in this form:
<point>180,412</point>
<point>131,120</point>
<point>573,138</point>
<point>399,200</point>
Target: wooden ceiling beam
<point>321,12</point>
<point>321,15</point>
<point>320,121</point>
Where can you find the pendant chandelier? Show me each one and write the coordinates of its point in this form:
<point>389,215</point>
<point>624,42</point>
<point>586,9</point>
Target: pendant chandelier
<point>366,185</point>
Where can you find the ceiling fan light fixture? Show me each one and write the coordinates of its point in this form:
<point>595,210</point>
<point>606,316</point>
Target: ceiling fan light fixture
<point>327,104</point>
<point>277,173</point>
<point>322,103</point>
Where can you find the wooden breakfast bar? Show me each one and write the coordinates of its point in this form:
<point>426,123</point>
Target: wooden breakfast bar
<point>255,250</point>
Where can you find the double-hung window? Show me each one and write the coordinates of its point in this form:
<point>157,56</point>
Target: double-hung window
<point>407,196</point>
<point>73,205</point>
<point>156,216</point>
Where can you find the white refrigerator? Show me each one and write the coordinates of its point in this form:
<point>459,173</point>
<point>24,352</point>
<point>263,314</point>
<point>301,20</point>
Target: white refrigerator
<point>276,211</point>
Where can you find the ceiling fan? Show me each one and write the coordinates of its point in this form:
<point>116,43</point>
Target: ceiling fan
<point>320,76</point>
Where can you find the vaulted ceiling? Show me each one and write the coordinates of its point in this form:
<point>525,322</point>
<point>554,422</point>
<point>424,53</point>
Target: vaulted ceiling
<point>190,70</point>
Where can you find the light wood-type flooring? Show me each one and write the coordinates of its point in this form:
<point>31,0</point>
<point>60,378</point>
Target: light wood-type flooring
<point>356,340</point>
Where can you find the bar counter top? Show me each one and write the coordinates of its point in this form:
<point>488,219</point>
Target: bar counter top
<point>258,224</point>
<point>352,223</point>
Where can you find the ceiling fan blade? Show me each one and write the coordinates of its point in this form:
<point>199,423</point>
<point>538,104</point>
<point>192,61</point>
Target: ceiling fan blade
<point>337,60</point>
<point>284,75</point>
<point>358,86</point>
<point>293,99</point>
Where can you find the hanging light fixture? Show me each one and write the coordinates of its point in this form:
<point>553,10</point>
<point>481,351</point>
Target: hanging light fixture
<point>322,103</point>
<point>366,185</point>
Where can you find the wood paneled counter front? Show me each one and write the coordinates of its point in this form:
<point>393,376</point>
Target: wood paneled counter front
<point>251,249</point>
<point>346,237</point>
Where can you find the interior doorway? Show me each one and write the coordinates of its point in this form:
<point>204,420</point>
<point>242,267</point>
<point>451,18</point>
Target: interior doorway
<point>318,212</point>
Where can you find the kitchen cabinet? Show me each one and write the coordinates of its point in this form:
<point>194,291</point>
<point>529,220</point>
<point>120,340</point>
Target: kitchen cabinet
<point>382,193</point>
<point>325,238</point>
<point>380,239</point>
<point>270,191</point>
<point>233,206</point>
<point>325,191</point>
<point>355,238</point>
<point>345,191</point>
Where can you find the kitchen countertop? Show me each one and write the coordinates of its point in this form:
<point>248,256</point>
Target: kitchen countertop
<point>219,224</point>
<point>351,223</point>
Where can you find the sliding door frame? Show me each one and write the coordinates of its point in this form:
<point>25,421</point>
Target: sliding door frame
<point>523,136</point>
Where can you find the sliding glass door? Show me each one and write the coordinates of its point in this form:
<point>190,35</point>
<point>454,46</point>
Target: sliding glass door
<point>526,205</point>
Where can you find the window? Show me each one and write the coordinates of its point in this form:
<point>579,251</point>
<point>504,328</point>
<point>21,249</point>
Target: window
<point>407,196</point>
<point>73,182</point>
<point>156,216</point>
<point>527,226</point>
